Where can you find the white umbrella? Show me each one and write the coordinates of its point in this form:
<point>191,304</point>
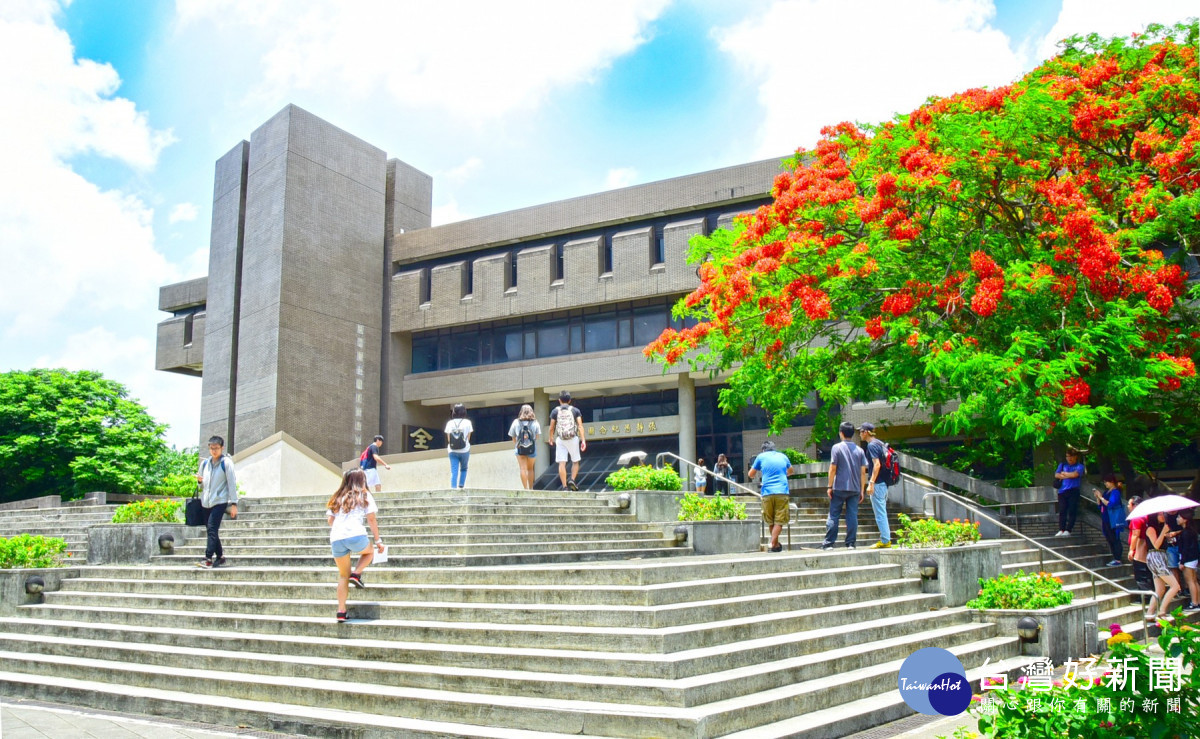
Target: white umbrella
<point>1162,504</point>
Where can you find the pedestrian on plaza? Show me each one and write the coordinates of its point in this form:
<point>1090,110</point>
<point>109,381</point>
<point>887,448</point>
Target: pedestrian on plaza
<point>1068,478</point>
<point>346,512</point>
<point>218,484</point>
<point>1189,557</point>
<point>524,432</point>
<point>1166,587</point>
<point>774,467</point>
<point>371,461</point>
<point>1139,546</point>
<point>1112,515</point>
<point>724,469</point>
<point>847,487</point>
<point>566,435</point>
<point>458,444</point>
<point>700,478</point>
<point>876,485</point>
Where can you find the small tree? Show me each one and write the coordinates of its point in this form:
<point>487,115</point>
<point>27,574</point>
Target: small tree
<point>67,433</point>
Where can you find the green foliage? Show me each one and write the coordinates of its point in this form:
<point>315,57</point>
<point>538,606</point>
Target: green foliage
<point>1040,590</point>
<point>930,532</point>
<point>694,507</point>
<point>644,477</point>
<point>149,511</point>
<point>29,551</point>
<point>67,433</point>
<point>179,485</point>
<point>797,457</point>
<point>173,472</point>
<point>1138,704</point>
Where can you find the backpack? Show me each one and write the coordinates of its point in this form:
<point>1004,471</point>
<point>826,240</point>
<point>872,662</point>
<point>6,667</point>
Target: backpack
<point>565,426</point>
<point>890,474</point>
<point>458,440</point>
<point>525,436</point>
<point>362,458</point>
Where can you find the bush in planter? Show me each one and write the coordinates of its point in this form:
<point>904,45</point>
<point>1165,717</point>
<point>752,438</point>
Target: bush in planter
<point>149,511</point>
<point>644,477</point>
<point>30,551</point>
<point>694,507</point>
<point>930,532</point>
<point>1041,590</point>
<point>796,456</point>
<point>177,485</point>
<point>1120,701</point>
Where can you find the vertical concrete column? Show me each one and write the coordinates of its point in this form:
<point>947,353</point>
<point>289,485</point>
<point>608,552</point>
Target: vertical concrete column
<point>541,409</point>
<point>687,420</point>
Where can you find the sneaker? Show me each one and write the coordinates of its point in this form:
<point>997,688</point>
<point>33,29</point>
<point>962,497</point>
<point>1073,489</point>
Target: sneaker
<point>1061,533</point>
<point>776,548</point>
<point>851,546</point>
<point>1114,563</point>
<point>219,562</point>
<point>206,564</point>
<point>356,580</point>
<point>341,616</point>
<point>882,545</point>
<point>826,546</point>
<point>1192,607</point>
<point>571,485</point>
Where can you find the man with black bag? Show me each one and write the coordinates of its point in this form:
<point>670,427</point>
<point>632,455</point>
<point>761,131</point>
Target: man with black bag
<point>218,493</point>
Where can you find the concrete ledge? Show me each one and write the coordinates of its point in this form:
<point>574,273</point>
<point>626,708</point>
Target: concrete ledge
<point>1067,632</point>
<point>46,501</point>
<point>721,537</point>
<point>959,568</point>
<point>12,586</point>
<point>650,506</point>
<point>133,543</point>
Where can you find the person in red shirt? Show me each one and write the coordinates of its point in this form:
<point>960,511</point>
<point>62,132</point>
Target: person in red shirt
<point>1138,546</point>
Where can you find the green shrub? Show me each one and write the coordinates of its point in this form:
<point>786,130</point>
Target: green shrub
<point>694,507</point>
<point>1041,590</point>
<point>798,457</point>
<point>645,477</point>
<point>930,532</point>
<point>28,551</point>
<point>177,485</point>
<point>149,511</point>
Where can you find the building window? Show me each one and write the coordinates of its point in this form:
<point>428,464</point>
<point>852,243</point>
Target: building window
<point>426,285</point>
<point>468,278</point>
<point>511,280</point>
<point>660,247</point>
<point>559,263</point>
<point>608,252</point>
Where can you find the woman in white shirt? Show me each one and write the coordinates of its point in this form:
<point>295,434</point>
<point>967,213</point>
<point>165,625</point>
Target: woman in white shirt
<point>346,511</point>
<point>458,443</point>
<point>524,432</point>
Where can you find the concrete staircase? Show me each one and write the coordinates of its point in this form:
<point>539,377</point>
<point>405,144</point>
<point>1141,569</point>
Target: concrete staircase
<point>501,614</point>
<point>69,523</point>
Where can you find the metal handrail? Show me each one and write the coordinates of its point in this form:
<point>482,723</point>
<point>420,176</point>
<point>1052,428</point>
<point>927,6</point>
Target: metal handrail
<point>658,458</point>
<point>1042,549</point>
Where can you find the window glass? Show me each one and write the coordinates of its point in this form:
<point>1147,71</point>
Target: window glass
<point>624,331</point>
<point>508,344</point>
<point>464,350</point>
<point>648,323</point>
<point>530,344</point>
<point>552,338</point>
<point>424,355</point>
<point>601,332</point>
<point>577,339</point>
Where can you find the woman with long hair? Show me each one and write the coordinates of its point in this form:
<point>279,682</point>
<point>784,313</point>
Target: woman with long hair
<point>724,469</point>
<point>458,443</point>
<point>1166,587</point>
<point>524,432</point>
<point>1112,515</point>
<point>346,512</point>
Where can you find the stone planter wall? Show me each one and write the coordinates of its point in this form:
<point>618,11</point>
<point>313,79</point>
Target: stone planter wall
<point>133,543</point>
<point>650,505</point>
<point>720,537</point>
<point>1067,632</point>
<point>959,568</point>
<point>13,592</point>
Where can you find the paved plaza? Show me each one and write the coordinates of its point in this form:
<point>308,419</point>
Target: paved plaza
<point>37,720</point>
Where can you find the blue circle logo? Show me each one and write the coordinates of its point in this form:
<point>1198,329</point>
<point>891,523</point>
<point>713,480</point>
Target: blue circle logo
<point>932,681</point>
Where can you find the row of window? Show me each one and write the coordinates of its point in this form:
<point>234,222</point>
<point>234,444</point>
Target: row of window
<point>533,337</point>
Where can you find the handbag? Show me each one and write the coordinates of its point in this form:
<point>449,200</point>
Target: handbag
<point>193,512</point>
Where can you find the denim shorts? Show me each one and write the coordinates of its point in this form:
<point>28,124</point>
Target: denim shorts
<point>1172,557</point>
<point>353,545</point>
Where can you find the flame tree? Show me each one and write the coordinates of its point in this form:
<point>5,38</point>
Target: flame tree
<point>1014,261</point>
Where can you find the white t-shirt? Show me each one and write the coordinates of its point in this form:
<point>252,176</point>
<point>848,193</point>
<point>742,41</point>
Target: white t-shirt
<point>463,425</point>
<point>350,525</point>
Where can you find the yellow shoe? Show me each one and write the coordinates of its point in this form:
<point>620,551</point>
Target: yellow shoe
<point>882,545</point>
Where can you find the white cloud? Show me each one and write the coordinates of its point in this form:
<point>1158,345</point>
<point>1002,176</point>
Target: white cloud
<point>448,213</point>
<point>1112,18</point>
<point>183,212</point>
<point>474,58</point>
<point>620,177</point>
<point>464,171</point>
<point>820,62</point>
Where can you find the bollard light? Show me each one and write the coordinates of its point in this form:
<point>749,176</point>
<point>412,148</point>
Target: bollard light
<point>681,534</point>
<point>929,568</point>
<point>1028,629</point>
<point>623,500</point>
<point>166,543</point>
<point>34,584</point>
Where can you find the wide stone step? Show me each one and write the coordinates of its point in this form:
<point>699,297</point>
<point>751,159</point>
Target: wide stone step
<point>607,526</point>
<point>319,501</point>
<point>401,546</point>
<point>510,507</point>
<point>462,518</point>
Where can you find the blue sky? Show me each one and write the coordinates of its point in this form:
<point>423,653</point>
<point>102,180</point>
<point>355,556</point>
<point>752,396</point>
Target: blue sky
<point>117,109</point>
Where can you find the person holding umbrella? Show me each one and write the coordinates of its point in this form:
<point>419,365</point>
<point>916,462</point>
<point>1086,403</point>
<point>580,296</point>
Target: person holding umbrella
<point>1166,586</point>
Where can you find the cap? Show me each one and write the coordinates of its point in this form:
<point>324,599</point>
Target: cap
<point>867,427</point>
<point>846,429</point>
<point>564,395</point>
<point>768,446</point>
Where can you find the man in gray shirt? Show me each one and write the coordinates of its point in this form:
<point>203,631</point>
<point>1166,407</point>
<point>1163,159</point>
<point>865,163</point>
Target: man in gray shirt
<point>847,487</point>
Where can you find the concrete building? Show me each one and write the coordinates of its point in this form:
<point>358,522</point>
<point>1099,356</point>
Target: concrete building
<point>332,310</point>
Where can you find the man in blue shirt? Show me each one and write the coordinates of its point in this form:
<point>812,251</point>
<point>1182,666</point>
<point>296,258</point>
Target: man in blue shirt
<point>847,486</point>
<point>774,467</point>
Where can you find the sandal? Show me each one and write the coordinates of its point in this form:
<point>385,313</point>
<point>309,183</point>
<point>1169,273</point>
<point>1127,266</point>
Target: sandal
<point>341,616</point>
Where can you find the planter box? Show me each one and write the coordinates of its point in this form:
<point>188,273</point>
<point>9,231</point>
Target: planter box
<point>721,537</point>
<point>959,568</point>
<point>651,506</point>
<point>12,586</point>
<point>133,543</point>
<point>1067,632</point>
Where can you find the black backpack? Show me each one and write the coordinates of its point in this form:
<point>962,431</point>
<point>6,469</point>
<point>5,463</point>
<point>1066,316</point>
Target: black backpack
<point>525,436</point>
<point>458,439</point>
